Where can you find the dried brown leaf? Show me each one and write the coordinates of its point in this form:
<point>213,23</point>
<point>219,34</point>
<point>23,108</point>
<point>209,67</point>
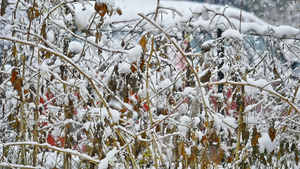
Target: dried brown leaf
<point>272,133</point>
<point>14,74</point>
<point>18,84</point>
<point>143,43</point>
<point>119,11</point>
<point>43,31</point>
<point>14,51</point>
<point>98,37</point>
<point>214,139</point>
<point>101,9</point>
<point>33,13</point>
<point>245,136</point>
<point>281,151</point>
<point>181,149</point>
<point>255,136</point>
<point>206,77</point>
<point>133,67</point>
<point>4,4</point>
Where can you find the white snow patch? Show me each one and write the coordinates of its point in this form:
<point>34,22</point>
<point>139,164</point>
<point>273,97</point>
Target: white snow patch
<point>285,31</point>
<point>164,84</point>
<point>50,36</point>
<point>188,151</point>
<point>265,142</point>
<point>53,108</point>
<point>68,17</point>
<point>83,89</point>
<point>199,135</point>
<point>261,83</point>
<point>114,103</point>
<point>189,90</point>
<point>59,23</point>
<point>232,33</point>
<point>229,121</point>
<point>75,47</point>
<point>134,54</point>
<point>115,115</point>
<point>104,162</point>
<point>252,106</point>
<point>124,67</point>
<point>83,15</point>
<point>252,119</point>
<point>185,121</point>
<point>44,70</point>
<point>208,44</point>
<point>107,131</point>
<point>10,94</point>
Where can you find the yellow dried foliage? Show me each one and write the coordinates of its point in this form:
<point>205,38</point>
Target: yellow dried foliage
<point>255,136</point>
<point>143,43</point>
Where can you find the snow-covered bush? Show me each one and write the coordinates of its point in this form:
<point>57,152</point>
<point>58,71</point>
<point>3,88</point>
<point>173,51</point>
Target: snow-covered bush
<point>94,84</point>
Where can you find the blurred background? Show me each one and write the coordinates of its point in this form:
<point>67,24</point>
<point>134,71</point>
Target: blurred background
<point>275,12</point>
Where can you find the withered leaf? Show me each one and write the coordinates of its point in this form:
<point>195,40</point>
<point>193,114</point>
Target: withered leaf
<point>16,82</point>
<point>143,43</point>
<point>293,147</point>
<point>181,149</point>
<point>47,55</point>
<point>205,78</point>
<point>43,31</point>
<point>214,148</point>
<point>119,11</point>
<point>214,139</point>
<point>101,9</point>
<point>245,136</point>
<point>98,37</point>
<point>272,133</point>
<point>32,12</point>
<point>14,74</point>
<point>14,51</point>
<point>133,67</point>
<point>255,136</point>
<point>204,139</point>
<point>214,153</point>
<point>281,151</point>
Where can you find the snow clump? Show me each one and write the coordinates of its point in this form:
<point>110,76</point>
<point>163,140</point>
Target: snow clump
<point>134,54</point>
<point>185,121</point>
<point>104,162</point>
<point>232,33</point>
<point>265,143</point>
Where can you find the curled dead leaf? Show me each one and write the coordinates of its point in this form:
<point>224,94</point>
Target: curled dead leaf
<point>101,9</point>
<point>33,12</point>
<point>272,133</point>
<point>14,74</point>
<point>143,43</point>
<point>205,78</point>
<point>43,31</point>
<point>16,81</point>
<point>119,11</point>
<point>255,136</point>
<point>133,67</point>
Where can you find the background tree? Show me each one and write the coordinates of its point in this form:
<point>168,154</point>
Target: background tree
<point>276,12</point>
